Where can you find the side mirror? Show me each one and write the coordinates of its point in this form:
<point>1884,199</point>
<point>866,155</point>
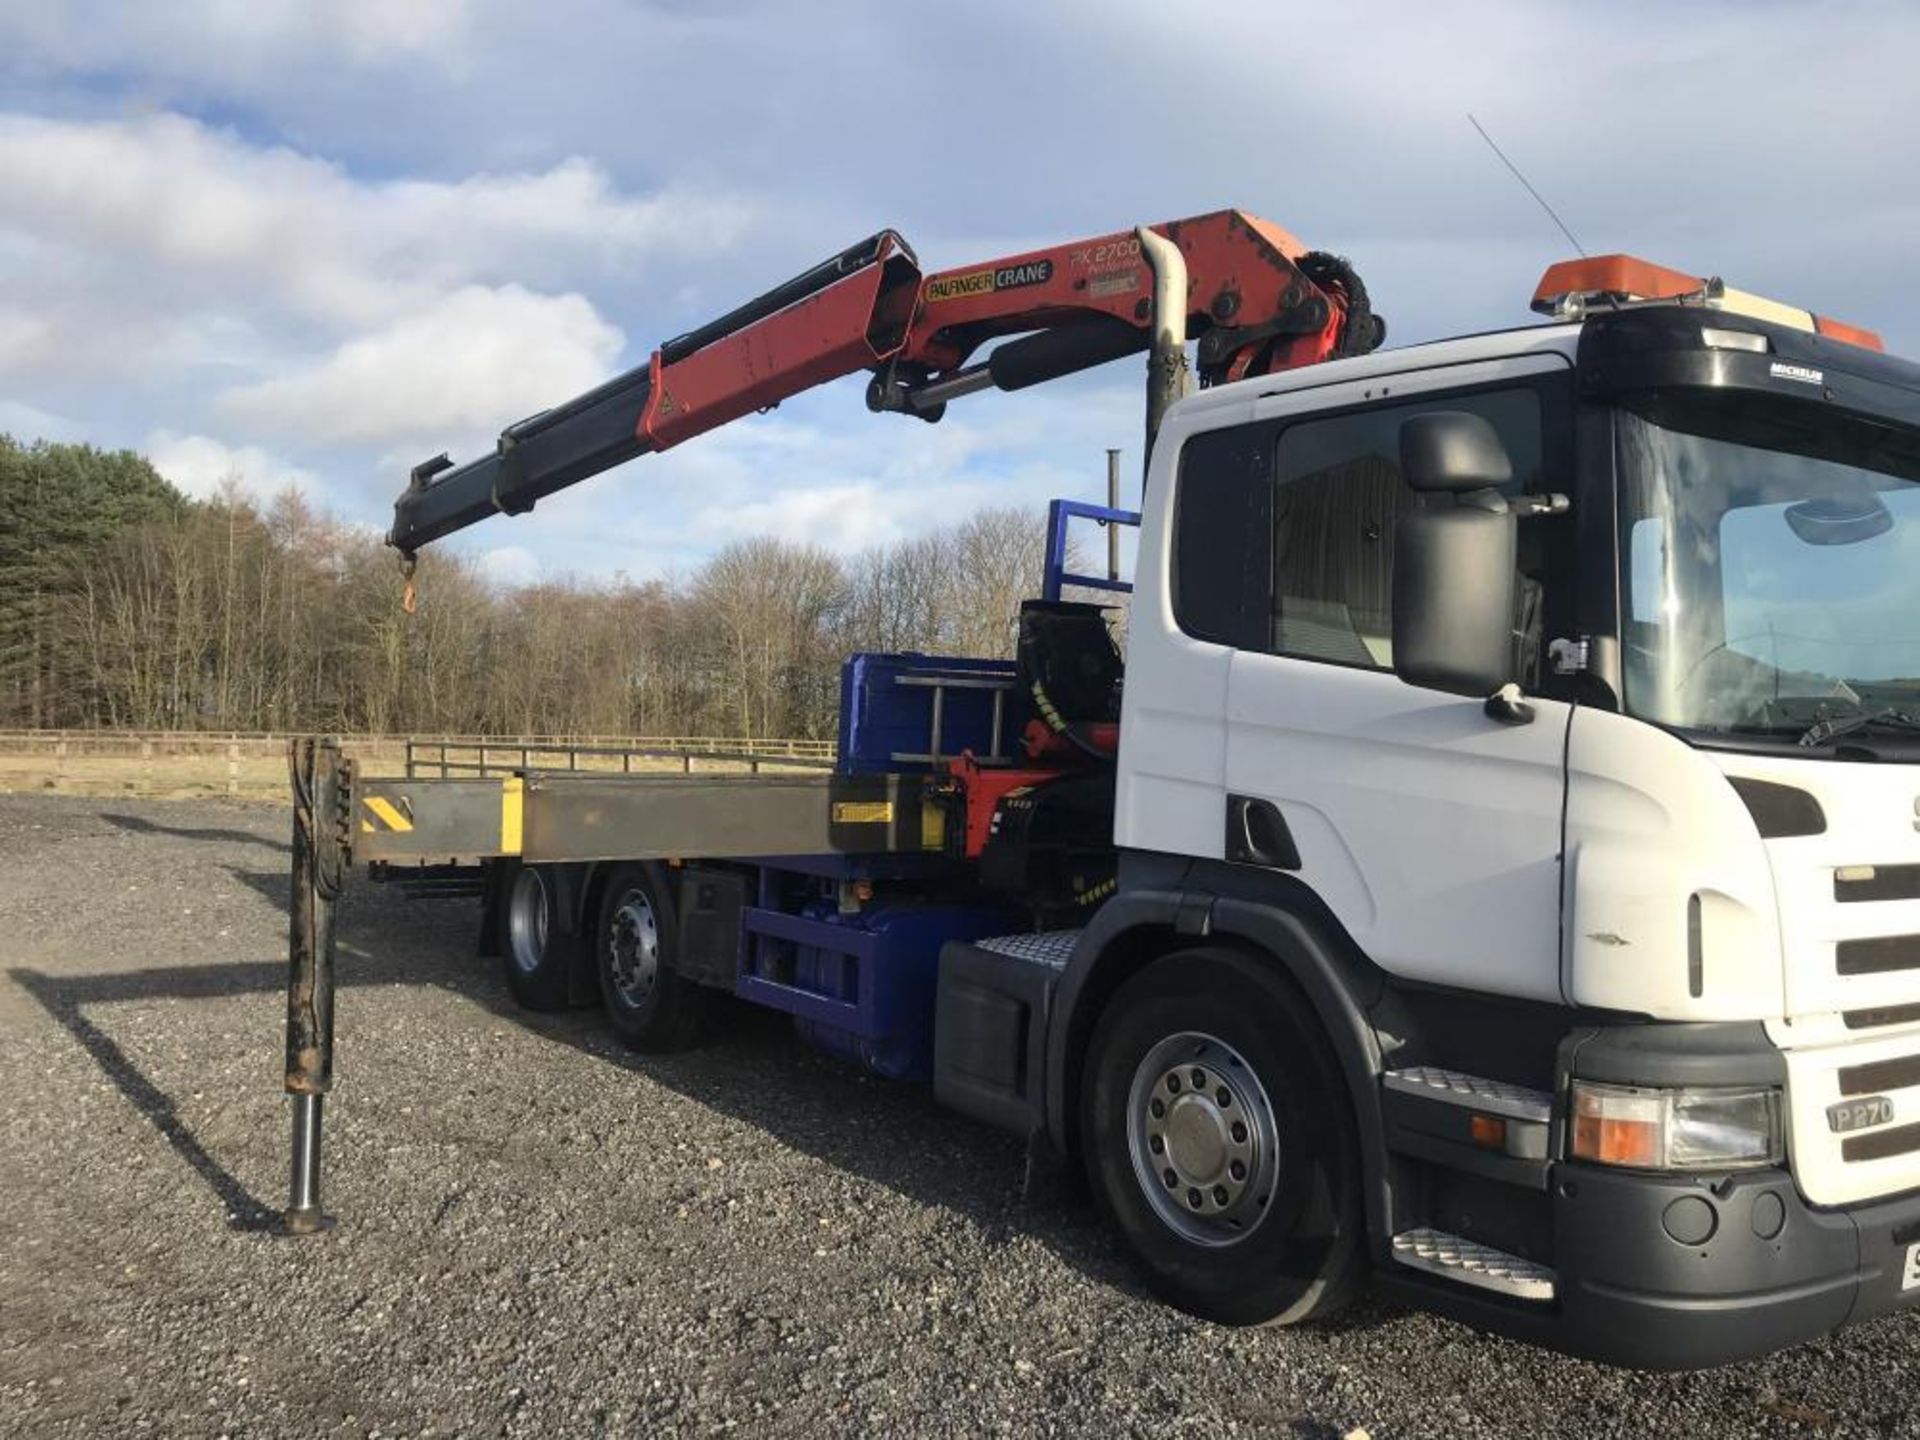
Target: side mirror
<point>1455,558</point>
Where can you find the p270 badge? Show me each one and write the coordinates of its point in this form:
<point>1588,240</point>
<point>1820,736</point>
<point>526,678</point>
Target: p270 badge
<point>1846,1116</point>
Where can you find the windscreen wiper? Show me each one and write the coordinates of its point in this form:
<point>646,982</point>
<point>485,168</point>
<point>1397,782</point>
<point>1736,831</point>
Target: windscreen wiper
<point>1834,726</point>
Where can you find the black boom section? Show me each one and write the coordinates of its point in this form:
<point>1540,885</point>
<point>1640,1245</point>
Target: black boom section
<point>537,456</point>
<point>594,431</point>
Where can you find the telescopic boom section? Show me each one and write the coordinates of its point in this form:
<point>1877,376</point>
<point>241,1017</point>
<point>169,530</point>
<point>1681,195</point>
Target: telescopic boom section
<point>1257,302</point>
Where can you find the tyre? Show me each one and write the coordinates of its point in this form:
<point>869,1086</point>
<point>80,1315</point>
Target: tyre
<point>649,1005</point>
<point>535,953</point>
<point>1217,1134</point>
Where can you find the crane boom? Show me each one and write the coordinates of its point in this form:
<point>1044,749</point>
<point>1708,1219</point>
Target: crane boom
<point>1256,299</point>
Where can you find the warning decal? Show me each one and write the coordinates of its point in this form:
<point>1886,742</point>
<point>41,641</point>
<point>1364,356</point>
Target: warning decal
<point>380,813</point>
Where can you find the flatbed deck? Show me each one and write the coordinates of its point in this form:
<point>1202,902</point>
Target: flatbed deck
<point>564,816</point>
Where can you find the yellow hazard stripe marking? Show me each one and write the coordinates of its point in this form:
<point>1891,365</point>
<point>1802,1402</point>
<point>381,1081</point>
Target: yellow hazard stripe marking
<point>512,811</point>
<point>388,813</point>
<point>863,812</point>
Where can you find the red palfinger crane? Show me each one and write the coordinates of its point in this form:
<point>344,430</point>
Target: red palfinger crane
<point>1254,298</point>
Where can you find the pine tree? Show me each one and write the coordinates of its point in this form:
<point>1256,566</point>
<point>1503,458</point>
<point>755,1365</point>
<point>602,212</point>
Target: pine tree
<point>59,506</point>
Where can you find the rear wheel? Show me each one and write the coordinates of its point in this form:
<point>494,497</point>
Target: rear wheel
<point>536,954</point>
<point>649,1005</point>
<point>1216,1132</point>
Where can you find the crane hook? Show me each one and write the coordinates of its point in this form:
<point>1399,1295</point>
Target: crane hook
<point>409,592</point>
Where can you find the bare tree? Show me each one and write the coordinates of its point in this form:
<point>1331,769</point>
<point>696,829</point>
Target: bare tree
<point>233,615</point>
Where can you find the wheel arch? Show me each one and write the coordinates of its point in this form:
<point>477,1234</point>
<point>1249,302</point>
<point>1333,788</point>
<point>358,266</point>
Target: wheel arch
<point>1136,927</point>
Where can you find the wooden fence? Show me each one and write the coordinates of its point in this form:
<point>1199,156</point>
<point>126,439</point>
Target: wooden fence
<point>251,762</point>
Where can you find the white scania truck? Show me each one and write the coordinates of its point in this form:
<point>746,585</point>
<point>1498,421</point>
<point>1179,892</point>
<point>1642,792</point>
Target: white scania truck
<point>1494,873</point>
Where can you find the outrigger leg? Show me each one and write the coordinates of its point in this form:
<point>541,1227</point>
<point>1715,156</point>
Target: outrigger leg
<point>322,808</point>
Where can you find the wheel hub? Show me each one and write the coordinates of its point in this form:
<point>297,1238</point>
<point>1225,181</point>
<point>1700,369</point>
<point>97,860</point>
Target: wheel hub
<point>1204,1144</point>
<point>1196,1139</point>
<point>634,948</point>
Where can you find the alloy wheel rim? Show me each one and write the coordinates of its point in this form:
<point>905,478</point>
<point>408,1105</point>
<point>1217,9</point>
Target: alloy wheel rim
<point>633,948</point>
<point>1202,1138</point>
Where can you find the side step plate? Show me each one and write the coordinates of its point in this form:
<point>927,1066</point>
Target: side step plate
<point>1472,1263</point>
<point>1456,1087</point>
<point>1051,948</point>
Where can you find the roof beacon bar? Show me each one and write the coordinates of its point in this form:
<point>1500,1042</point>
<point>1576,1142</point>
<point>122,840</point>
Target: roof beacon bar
<point>1573,287</point>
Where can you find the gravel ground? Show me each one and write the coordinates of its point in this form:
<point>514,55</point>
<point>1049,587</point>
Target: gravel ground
<point>542,1234</point>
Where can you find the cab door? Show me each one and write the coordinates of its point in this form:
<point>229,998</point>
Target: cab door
<point>1430,829</point>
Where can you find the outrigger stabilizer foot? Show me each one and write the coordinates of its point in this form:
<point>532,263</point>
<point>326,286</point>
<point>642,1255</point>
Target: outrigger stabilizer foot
<point>303,1214</point>
<point>322,808</point>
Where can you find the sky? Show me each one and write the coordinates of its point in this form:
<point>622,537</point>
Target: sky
<point>313,244</point>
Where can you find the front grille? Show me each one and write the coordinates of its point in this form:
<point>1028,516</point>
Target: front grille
<point>1876,882</point>
<point>1877,956</point>
<point>1879,1144</point>
<point>1881,1075</point>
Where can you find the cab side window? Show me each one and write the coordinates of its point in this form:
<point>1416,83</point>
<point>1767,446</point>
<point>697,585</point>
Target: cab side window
<point>1223,537</point>
<point>1338,493</point>
<point>1283,530</point>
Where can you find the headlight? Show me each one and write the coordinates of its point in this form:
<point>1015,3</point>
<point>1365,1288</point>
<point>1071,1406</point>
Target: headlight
<point>1692,1129</point>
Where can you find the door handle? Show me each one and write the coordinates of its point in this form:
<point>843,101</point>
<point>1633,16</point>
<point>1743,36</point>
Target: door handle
<point>1257,834</point>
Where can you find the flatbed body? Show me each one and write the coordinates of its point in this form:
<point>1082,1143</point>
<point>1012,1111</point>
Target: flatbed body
<point>553,817</point>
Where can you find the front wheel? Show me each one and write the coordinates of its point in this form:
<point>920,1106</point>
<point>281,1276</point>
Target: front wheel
<point>1217,1134</point>
<point>649,1004</point>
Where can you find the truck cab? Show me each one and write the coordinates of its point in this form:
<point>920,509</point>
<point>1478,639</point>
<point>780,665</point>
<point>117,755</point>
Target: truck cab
<point>1599,924</point>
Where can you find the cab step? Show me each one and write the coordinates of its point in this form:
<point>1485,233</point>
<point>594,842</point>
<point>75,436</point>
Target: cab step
<point>1454,1257</point>
<point>1051,948</point>
<point>1456,1087</point>
<point>1467,1122</point>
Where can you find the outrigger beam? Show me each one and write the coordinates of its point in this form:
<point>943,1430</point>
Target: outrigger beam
<point>322,808</point>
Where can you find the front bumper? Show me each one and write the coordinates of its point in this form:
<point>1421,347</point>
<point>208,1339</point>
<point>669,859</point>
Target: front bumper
<point>1742,1267</point>
<point>1640,1284</point>
<point>1665,1271</point>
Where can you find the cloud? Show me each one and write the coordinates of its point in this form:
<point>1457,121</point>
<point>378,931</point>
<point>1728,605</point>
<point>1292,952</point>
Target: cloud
<point>1750,141</point>
<point>167,39</point>
<point>231,225</point>
<point>839,517</point>
<point>373,160</point>
<point>202,467</point>
<point>466,364</point>
<point>160,272</point>
<point>508,567</point>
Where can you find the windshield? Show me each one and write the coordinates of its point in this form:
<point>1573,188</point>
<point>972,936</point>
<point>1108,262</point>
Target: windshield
<point>1772,571</point>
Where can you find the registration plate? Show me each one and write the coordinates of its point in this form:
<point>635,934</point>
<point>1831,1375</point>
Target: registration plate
<point>1850,1115</point>
<point>1910,1277</point>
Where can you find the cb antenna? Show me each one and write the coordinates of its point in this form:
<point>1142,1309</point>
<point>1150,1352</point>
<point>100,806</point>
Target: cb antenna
<point>1528,184</point>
